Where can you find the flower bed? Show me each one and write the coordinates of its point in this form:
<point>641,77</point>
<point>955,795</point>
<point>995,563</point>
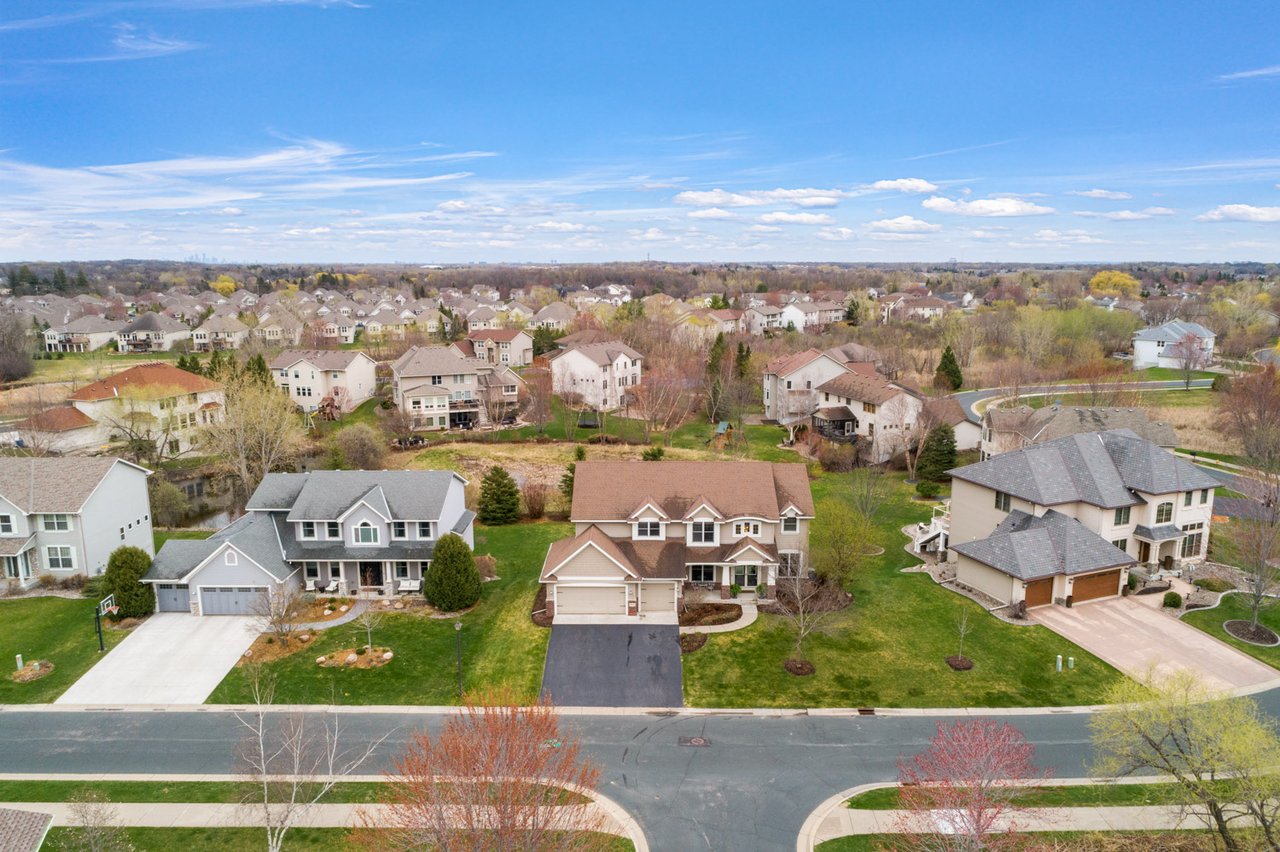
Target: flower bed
<point>356,658</point>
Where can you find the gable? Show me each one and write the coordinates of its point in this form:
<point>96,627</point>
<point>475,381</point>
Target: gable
<point>590,561</point>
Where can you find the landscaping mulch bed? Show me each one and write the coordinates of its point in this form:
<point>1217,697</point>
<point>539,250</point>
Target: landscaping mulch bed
<point>1154,589</point>
<point>690,642</point>
<point>959,664</point>
<point>709,614</point>
<point>539,614</point>
<point>264,651</point>
<point>343,659</point>
<point>315,610</point>
<point>826,601</point>
<point>799,668</point>
<point>33,670</point>
<point>1245,632</point>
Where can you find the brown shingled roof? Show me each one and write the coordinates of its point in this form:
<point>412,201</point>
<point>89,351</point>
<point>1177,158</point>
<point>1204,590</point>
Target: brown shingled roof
<point>152,376</point>
<point>64,418</point>
<point>786,364</point>
<point>611,490</point>
<point>862,388</point>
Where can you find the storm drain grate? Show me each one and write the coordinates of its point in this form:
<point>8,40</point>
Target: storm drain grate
<point>695,742</point>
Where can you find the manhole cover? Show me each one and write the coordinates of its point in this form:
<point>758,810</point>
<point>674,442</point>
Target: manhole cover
<point>697,742</point>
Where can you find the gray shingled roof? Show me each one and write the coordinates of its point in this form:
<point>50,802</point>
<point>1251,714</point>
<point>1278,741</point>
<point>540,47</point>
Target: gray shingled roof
<point>152,321</point>
<point>90,324</point>
<point>1099,468</point>
<point>324,495</point>
<point>432,361</point>
<point>59,485</point>
<point>1173,331</point>
<point>23,831</point>
<point>1163,532</point>
<point>1030,547</point>
<point>322,359</point>
<point>254,535</point>
<point>1056,421</point>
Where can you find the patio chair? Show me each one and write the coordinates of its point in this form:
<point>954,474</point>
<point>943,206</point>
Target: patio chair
<point>310,586</point>
<point>409,587</point>
<point>331,588</point>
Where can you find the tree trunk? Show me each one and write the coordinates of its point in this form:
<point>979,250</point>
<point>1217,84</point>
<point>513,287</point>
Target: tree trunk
<point>1224,831</point>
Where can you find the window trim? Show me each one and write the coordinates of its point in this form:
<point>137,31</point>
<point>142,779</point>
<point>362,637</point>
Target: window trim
<point>696,529</point>
<point>793,521</point>
<point>1161,511</point>
<point>333,529</point>
<point>1004,501</point>
<point>46,520</point>
<point>702,565</point>
<point>361,527</point>
<point>1123,516</point>
<point>303,528</point>
<point>399,530</point>
<point>50,558</point>
<point>6,524</point>
<point>424,530</point>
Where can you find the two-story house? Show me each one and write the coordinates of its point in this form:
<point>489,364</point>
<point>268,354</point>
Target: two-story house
<point>865,408</point>
<point>219,333</point>
<point>437,387</point>
<point>791,382</point>
<point>646,530</point>
<point>1064,521</point>
<point>556,316</point>
<point>1172,345</point>
<point>341,532</point>
<point>600,374</point>
<point>1005,429</point>
<point>63,517</point>
<point>282,330</point>
<point>82,335</point>
<point>502,347</point>
<point>151,332</point>
<point>310,376</point>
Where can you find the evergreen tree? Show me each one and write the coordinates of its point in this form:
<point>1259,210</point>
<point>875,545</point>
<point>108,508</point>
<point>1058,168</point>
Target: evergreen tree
<point>715,359</point>
<point>499,498</point>
<point>566,480</point>
<point>215,366</point>
<point>452,582</point>
<point>544,341</point>
<point>742,360</point>
<point>853,312</point>
<point>938,455</point>
<point>256,369</point>
<point>82,283</point>
<point>948,374</point>
<point>125,568</point>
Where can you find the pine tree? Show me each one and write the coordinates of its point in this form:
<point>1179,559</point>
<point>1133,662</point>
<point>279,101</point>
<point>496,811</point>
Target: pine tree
<point>566,480</point>
<point>256,369</point>
<point>499,498</point>
<point>742,360</point>
<point>715,359</point>
<point>948,374</point>
<point>125,569</point>
<point>215,366</point>
<point>452,582</point>
<point>938,455</point>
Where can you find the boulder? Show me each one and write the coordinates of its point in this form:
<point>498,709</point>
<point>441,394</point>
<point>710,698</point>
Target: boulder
<point>328,612</point>
<point>387,655</point>
<point>351,658</point>
<point>343,608</point>
<point>320,660</point>
<point>399,604</point>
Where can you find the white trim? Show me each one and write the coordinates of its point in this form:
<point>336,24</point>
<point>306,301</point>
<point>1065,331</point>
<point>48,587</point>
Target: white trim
<point>71,550</point>
<point>200,592</point>
<point>703,503</point>
<point>208,560</point>
<point>743,549</point>
<point>649,504</point>
<point>584,546</point>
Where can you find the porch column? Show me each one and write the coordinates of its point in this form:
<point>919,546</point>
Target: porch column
<point>770,579</point>
<point>726,579</point>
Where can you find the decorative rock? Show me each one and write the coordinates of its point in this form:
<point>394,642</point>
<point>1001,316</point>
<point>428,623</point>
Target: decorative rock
<point>351,658</point>
<point>343,608</point>
<point>328,612</point>
<point>249,653</point>
<point>399,604</point>
<point>320,660</point>
<point>305,637</point>
<point>387,655</point>
<point>387,602</point>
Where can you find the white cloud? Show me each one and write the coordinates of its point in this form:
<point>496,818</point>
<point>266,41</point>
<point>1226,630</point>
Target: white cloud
<point>797,218</point>
<point>759,197</point>
<point>712,213</point>
<point>1252,74</point>
<point>834,235</point>
<point>909,185</point>
<point>765,229</point>
<point>1241,213</point>
<point>649,235</point>
<point>995,207</point>
<point>1072,237</point>
<point>1126,215</point>
<point>903,225</point>
<point>717,198</point>
<point>230,211</point>
<point>560,227</point>
<point>1109,194</point>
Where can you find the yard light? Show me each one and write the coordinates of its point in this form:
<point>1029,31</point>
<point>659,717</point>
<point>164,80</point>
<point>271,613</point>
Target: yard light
<point>457,629</point>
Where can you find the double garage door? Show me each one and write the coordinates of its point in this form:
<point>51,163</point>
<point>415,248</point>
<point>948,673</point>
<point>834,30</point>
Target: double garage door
<point>230,600</point>
<point>591,600</point>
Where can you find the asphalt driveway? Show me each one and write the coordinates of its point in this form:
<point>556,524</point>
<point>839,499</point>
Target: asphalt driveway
<point>1134,638</point>
<point>171,658</point>
<point>614,666</point>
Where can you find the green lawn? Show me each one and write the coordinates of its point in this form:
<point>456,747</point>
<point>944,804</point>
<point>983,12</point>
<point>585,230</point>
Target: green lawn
<point>87,367</point>
<point>234,840</point>
<point>500,645</point>
<point>889,648</point>
<point>59,630</point>
<point>1194,398</point>
<point>161,536</point>
<point>197,792</point>
<point>1073,796</point>
<point>1169,374</point>
<point>366,412</point>
<point>1236,606</point>
<point>1061,840</point>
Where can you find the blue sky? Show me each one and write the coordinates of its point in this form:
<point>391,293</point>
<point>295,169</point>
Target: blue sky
<point>422,131</point>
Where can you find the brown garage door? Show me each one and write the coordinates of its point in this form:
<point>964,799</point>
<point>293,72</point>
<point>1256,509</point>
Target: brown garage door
<point>1093,586</point>
<point>1040,592</point>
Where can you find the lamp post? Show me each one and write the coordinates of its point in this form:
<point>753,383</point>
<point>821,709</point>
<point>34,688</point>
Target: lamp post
<point>457,629</point>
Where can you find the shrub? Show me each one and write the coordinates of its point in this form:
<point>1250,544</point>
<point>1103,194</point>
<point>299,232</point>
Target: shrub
<point>837,458</point>
<point>452,582</point>
<point>580,453</point>
<point>74,582</point>
<point>125,568</point>
<point>1221,384</point>
<point>1133,582</point>
<point>499,498</point>
<point>359,447</point>
<point>535,499</point>
<point>928,489</point>
<point>47,581</point>
<point>735,590</point>
<point>95,587</point>
<point>1172,600</point>
<point>169,504</point>
<point>1214,584</point>
<point>653,454</point>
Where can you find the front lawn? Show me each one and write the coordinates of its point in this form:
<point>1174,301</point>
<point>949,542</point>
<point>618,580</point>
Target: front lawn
<point>234,839</point>
<point>889,648</point>
<point>1051,796</point>
<point>1236,606</point>
<point>161,536</point>
<point>500,645</point>
<point>59,630</point>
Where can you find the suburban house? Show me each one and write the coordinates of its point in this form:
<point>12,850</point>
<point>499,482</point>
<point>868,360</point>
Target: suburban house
<point>310,376</point>
<point>1005,429</point>
<point>1172,345</point>
<point>63,517</point>
<point>868,410</point>
<point>1065,520</point>
<point>151,332</point>
<point>506,347</point>
<point>806,316</point>
<point>281,330</point>
<point>602,374</point>
<point>219,333</point>
<point>437,387</point>
<point>82,335</point>
<point>342,532</point>
<point>556,316</point>
<point>759,319</point>
<point>644,531</point>
<point>791,381</point>
<point>481,318</point>
<point>910,306</point>
<point>150,402</point>
<point>340,329</point>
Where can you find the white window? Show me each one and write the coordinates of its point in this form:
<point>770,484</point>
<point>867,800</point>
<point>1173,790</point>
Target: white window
<point>1003,501</point>
<point>424,529</point>
<point>365,533</point>
<point>402,570</point>
<point>702,532</point>
<point>308,529</point>
<point>648,529</point>
<point>56,523</point>
<point>6,524</point>
<point>399,529</point>
<point>311,570</point>
<point>230,557</point>
<point>335,529</point>
<point>789,563</point>
<point>59,558</point>
<point>790,524</point>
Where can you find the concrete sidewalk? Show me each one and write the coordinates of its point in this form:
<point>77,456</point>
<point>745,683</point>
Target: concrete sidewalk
<point>749,614</point>
<point>846,821</point>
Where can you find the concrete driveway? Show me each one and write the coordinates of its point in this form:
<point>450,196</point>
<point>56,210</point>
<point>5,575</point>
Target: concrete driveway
<point>1134,638</point>
<point>614,666</point>
<point>171,658</point>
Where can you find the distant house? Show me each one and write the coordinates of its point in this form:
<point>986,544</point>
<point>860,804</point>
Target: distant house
<point>282,330</point>
<point>876,413</point>
<point>219,333</point>
<point>760,319</point>
<point>601,374</point>
<point>311,375</point>
<point>482,318</point>
<point>437,387</point>
<point>151,332</point>
<point>82,335</point>
<point>556,316</point>
<point>65,517</point>
<point>507,347</point>
<point>1172,344</point>
<point>1006,429</point>
<point>791,381</point>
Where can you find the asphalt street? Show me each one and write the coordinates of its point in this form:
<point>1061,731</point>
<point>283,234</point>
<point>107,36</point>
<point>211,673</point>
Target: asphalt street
<point>968,399</point>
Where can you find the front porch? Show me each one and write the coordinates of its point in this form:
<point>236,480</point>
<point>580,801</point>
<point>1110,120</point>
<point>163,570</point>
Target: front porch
<point>21,570</point>
<point>715,582</point>
<point>364,578</point>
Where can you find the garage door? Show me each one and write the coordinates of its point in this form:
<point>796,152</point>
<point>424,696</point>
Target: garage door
<point>591,600</point>
<point>228,600</point>
<point>1093,586</point>
<point>658,597</point>
<point>1040,592</point>
<point>173,597</point>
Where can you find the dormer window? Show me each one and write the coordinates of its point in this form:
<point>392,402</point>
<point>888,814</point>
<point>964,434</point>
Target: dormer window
<point>308,529</point>
<point>790,524</point>
<point>365,533</point>
<point>648,529</point>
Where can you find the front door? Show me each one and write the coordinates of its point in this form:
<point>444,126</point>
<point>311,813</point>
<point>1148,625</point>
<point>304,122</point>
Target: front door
<point>746,576</point>
<point>1144,552</point>
<point>370,573</point>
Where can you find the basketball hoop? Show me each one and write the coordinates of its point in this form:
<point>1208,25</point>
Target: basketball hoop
<point>110,611</point>
<point>107,605</point>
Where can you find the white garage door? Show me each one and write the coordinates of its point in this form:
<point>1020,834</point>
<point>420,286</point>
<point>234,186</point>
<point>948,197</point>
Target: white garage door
<point>591,600</point>
<point>230,600</point>
<point>658,597</point>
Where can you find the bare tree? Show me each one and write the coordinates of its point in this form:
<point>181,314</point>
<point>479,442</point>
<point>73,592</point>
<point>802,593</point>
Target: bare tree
<point>144,419</point>
<point>369,620</point>
<point>963,628</point>
<point>96,825</point>
<point>538,382</point>
<point>497,777</point>
<point>278,612</point>
<point>868,489</point>
<point>292,761</point>
<point>570,406</point>
<point>1189,357</point>
<point>15,349</point>
<point>1252,543</point>
<point>666,397</point>
<point>1250,412</point>
<point>259,432</point>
